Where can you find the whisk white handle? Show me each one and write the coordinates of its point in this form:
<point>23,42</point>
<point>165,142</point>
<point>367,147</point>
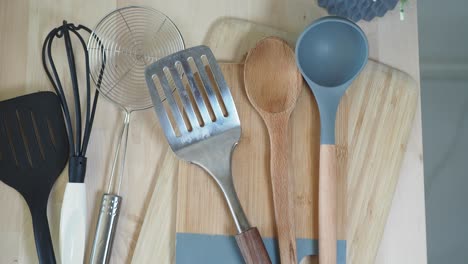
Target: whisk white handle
<point>73,224</point>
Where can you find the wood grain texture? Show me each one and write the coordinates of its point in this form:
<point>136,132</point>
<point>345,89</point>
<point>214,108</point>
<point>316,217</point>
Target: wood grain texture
<point>24,26</point>
<point>403,232</point>
<point>250,33</point>
<point>272,83</point>
<point>16,223</point>
<point>252,248</point>
<point>282,187</point>
<point>152,239</point>
<point>327,204</point>
<point>369,151</point>
<point>378,123</point>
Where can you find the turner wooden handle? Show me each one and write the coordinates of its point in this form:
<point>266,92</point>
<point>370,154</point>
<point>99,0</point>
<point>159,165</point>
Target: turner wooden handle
<point>327,205</point>
<point>252,248</point>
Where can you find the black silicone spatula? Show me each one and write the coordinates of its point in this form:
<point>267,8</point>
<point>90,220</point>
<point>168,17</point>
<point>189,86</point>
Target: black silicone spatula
<point>33,153</point>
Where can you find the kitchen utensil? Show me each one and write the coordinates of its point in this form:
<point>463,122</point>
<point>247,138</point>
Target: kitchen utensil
<point>374,121</point>
<point>273,83</point>
<point>381,97</point>
<point>33,153</point>
<point>132,38</point>
<point>73,214</point>
<point>205,128</point>
<point>330,53</point>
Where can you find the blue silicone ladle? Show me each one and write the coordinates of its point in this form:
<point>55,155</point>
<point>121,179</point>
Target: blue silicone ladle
<point>330,53</point>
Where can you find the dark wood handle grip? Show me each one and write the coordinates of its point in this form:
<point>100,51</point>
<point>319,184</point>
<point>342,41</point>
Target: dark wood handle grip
<point>252,248</point>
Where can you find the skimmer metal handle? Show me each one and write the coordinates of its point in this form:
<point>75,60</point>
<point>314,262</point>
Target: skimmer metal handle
<point>105,229</point>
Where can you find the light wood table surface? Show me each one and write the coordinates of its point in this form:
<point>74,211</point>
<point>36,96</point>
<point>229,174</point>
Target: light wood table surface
<point>23,27</point>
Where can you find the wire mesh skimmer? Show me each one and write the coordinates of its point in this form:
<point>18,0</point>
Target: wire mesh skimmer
<point>126,40</point>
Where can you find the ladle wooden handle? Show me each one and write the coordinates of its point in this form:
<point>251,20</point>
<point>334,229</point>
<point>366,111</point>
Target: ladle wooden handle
<point>283,188</point>
<point>327,205</point>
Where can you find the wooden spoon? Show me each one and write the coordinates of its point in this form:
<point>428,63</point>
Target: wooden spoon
<point>273,84</point>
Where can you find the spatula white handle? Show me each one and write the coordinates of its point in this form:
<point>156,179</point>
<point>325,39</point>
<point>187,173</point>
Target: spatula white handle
<point>73,224</point>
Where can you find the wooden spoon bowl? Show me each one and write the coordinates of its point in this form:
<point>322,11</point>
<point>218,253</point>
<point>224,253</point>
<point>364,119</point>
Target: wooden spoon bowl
<point>273,84</point>
<point>273,81</point>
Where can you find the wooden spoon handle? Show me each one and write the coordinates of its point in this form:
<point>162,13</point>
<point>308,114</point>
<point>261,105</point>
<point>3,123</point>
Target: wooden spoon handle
<point>252,248</point>
<point>327,205</point>
<point>283,191</point>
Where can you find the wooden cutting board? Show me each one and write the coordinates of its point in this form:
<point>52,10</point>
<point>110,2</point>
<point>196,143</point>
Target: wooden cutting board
<point>373,125</point>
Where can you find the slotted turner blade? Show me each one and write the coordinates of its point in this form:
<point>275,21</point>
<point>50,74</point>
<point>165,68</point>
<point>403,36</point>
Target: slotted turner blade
<point>200,122</point>
<point>218,98</point>
<point>33,153</point>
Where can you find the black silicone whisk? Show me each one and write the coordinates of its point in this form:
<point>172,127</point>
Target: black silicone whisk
<point>79,123</point>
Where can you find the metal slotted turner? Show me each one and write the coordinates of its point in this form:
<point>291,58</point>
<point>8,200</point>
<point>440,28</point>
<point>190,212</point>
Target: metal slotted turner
<point>200,121</point>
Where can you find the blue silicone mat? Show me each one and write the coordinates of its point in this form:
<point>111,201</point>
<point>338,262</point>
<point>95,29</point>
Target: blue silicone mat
<point>215,249</point>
